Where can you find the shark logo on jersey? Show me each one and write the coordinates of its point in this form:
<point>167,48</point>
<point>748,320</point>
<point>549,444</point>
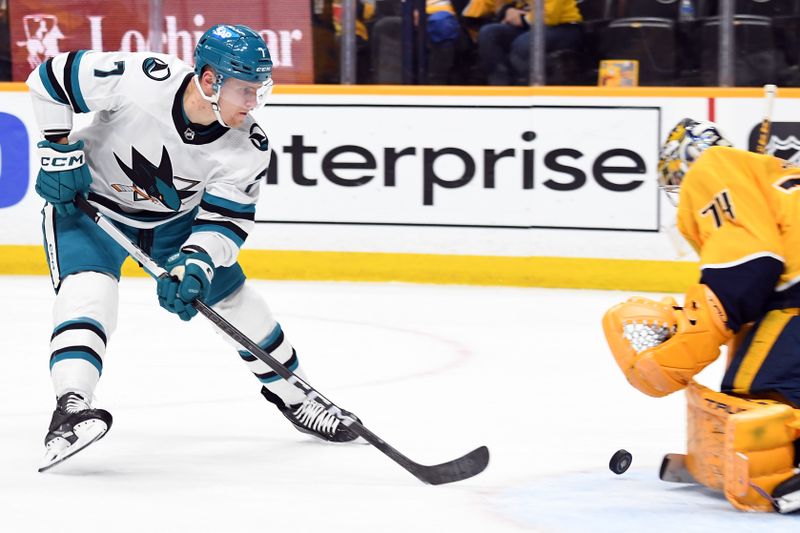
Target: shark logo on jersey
<point>259,138</point>
<point>155,69</point>
<point>154,183</point>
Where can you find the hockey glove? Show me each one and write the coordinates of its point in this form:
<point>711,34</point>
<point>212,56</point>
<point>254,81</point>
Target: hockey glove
<point>660,346</point>
<point>63,175</point>
<point>190,273</point>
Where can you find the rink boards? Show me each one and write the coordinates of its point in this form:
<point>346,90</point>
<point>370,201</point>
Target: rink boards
<point>546,186</point>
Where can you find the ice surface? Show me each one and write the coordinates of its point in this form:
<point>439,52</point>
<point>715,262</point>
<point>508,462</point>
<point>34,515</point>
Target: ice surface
<point>434,370</point>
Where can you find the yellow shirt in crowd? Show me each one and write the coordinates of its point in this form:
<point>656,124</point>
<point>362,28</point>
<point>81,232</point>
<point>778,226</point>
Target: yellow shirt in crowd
<point>555,11</point>
<point>365,10</point>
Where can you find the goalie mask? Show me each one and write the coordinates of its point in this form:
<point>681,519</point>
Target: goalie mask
<point>242,66</point>
<point>687,140</point>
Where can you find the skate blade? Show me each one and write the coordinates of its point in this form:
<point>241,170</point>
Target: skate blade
<point>87,433</point>
<point>789,503</point>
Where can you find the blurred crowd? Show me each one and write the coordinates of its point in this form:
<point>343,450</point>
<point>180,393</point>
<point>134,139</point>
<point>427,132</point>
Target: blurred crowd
<point>487,42</point>
<point>586,42</point>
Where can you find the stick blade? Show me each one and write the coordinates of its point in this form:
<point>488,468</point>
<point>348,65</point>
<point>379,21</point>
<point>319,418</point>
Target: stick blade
<point>673,469</point>
<point>464,467</point>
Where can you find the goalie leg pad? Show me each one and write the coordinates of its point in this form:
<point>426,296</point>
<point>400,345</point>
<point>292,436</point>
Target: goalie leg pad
<point>736,444</point>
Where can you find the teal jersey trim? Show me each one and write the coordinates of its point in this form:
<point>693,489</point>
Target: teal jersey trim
<point>75,82</point>
<point>265,344</point>
<point>43,75</point>
<point>76,355</point>
<point>272,337</point>
<point>238,241</point>
<point>228,204</point>
<point>79,320</point>
<point>274,378</point>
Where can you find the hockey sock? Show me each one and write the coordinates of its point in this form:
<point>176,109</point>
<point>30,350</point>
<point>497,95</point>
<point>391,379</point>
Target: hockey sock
<point>84,317</point>
<point>278,347</point>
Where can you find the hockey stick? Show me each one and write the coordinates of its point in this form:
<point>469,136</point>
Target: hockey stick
<point>673,469</point>
<point>763,131</point>
<point>464,467</point>
<point>785,497</point>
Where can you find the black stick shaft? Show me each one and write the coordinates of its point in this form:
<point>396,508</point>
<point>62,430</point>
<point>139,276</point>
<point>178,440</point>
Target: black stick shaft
<point>464,467</point>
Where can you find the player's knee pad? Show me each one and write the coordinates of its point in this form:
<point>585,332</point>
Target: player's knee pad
<point>738,446</point>
<point>248,311</point>
<point>84,317</point>
<point>660,346</point>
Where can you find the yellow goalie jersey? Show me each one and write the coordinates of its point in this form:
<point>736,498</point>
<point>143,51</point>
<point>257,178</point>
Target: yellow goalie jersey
<point>741,213</point>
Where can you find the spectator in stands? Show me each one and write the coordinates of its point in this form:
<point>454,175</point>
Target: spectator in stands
<point>504,46</point>
<point>446,41</point>
<point>476,14</point>
<point>445,46</point>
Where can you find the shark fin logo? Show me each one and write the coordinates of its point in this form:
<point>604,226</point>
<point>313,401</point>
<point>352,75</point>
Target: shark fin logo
<point>155,69</point>
<point>154,183</point>
<point>259,138</point>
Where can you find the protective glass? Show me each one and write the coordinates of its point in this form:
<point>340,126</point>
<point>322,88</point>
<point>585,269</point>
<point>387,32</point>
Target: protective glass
<point>243,94</point>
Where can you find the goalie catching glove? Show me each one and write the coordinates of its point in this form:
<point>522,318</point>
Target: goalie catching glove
<point>660,346</point>
<point>190,273</point>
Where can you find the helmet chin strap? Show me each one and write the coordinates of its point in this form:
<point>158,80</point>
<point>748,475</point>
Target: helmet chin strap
<point>213,99</point>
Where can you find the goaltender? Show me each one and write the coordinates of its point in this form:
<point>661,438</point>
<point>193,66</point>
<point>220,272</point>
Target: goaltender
<point>741,213</point>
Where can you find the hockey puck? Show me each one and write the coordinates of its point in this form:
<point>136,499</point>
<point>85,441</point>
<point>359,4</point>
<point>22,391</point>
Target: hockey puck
<point>620,461</point>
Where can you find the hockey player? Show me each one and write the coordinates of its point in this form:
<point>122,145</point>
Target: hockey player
<point>741,213</point>
<point>175,159</point>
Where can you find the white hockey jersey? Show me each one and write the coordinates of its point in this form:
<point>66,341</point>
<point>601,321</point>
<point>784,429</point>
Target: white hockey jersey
<point>149,163</point>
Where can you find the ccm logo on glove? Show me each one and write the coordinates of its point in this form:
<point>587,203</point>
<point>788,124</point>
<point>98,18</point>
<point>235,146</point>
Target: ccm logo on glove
<point>70,162</point>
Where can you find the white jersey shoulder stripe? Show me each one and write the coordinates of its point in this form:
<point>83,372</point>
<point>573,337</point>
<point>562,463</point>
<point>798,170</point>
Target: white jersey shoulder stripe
<point>791,283</point>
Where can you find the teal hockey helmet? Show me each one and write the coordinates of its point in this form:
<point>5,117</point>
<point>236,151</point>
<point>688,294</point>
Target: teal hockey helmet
<point>235,52</point>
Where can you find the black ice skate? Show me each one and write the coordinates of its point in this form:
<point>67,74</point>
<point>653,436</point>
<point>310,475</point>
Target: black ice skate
<point>786,496</point>
<point>311,417</point>
<point>75,425</point>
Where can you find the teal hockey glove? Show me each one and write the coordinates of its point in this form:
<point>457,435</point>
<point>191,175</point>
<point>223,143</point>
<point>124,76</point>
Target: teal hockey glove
<point>63,174</point>
<point>191,271</point>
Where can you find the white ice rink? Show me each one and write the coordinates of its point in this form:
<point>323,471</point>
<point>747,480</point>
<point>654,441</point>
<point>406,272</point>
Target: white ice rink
<point>434,370</point>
